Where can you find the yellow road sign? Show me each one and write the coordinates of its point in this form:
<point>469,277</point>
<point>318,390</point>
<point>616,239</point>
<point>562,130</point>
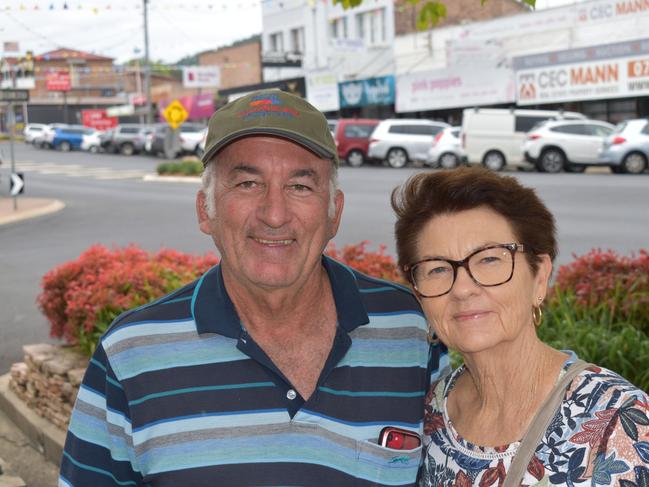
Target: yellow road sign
<point>175,114</point>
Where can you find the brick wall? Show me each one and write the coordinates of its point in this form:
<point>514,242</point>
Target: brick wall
<point>457,12</point>
<point>240,65</point>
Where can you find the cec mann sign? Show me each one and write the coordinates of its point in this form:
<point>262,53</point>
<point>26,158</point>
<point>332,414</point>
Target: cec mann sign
<point>607,71</point>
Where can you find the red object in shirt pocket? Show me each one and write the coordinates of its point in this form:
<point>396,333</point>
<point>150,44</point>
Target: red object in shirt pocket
<point>398,439</point>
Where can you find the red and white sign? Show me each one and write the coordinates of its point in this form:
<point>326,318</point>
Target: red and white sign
<point>58,82</point>
<point>137,99</point>
<point>98,119</point>
<point>201,76</point>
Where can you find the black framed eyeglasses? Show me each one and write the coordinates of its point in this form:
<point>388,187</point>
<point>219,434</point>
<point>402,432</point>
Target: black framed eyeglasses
<point>487,266</point>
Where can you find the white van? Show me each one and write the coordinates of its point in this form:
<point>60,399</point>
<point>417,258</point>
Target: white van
<point>494,136</point>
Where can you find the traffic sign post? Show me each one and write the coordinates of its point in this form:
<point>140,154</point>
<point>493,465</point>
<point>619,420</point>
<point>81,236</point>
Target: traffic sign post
<point>175,114</point>
<point>16,183</point>
<point>12,96</point>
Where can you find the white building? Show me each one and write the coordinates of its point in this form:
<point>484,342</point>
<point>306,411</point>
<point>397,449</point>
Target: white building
<point>334,45</point>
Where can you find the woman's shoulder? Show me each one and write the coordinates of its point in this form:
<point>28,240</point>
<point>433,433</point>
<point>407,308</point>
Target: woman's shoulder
<point>600,387</point>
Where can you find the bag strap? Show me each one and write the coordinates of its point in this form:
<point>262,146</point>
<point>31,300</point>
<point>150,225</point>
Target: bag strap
<point>539,425</point>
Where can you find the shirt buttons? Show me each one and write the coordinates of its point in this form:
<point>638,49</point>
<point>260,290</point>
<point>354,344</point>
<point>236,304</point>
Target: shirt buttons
<point>291,394</point>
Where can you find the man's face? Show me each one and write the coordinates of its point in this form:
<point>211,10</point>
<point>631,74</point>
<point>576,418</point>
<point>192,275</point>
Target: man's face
<point>271,221</point>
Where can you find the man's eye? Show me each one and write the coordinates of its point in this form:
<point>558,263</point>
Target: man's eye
<point>247,184</point>
<point>300,187</point>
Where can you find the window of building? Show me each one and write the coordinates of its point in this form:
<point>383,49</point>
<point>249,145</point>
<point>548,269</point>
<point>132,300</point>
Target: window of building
<point>370,26</point>
<point>276,42</point>
<point>297,40</point>
<point>339,28</point>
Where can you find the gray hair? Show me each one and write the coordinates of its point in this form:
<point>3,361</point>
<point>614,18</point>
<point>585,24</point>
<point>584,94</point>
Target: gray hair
<point>209,186</point>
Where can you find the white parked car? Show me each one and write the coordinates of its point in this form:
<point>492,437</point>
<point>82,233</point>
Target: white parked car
<point>446,151</point>
<point>627,148</point>
<point>191,136</point>
<point>45,139</point>
<point>399,140</point>
<point>91,141</point>
<point>570,145</point>
<point>494,137</point>
<point>33,130</point>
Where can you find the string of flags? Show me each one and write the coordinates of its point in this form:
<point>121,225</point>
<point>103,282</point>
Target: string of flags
<point>96,9</point>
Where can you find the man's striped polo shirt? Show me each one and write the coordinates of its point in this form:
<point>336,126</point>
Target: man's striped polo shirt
<point>177,394</point>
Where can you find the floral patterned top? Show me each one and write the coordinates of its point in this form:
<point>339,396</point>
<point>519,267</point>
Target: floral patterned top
<point>599,436</point>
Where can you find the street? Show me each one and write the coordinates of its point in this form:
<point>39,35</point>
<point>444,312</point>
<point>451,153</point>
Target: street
<point>108,203</point>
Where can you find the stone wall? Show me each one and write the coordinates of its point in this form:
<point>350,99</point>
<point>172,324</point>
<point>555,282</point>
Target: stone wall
<point>48,380</point>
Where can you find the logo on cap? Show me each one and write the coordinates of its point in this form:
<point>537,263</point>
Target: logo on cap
<point>267,106</point>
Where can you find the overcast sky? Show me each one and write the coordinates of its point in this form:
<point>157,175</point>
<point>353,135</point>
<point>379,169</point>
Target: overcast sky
<point>114,28</point>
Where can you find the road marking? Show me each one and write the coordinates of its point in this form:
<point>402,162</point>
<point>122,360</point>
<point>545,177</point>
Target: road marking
<point>79,171</point>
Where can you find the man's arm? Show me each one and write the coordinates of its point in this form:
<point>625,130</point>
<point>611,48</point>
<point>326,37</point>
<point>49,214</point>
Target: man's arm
<point>99,448</point>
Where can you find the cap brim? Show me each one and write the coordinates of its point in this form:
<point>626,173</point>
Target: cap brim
<point>285,134</point>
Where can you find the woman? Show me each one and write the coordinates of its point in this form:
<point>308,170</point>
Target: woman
<point>478,249</point>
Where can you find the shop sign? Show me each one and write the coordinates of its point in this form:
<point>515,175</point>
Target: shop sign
<point>58,81</point>
<point>592,75</point>
<point>322,91</point>
<point>372,91</point>
<point>201,76</point>
<point>98,119</point>
<point>454,87</point>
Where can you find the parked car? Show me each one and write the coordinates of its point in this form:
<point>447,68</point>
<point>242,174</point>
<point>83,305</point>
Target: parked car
<point>399,140</point>
<point>352,137</point>
<point>494,136</point>
<point>127,139</point>
<point>190,137</point>
<point>70,137</point>
<point>33,130</point>
<point>570,145</point>
<point>627,148</point>
<point>45,138</point>
<point>91,141</point>
<point>446,151</point>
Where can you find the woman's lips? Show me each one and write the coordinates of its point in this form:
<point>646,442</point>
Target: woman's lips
<point>470,315</point>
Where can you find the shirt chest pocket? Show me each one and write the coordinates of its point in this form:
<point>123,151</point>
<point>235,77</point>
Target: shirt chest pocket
<point>386,466</point>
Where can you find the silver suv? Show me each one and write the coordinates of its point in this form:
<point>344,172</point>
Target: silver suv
<point>399,140</point>
<point>127,139</point>
<point>627,148</point>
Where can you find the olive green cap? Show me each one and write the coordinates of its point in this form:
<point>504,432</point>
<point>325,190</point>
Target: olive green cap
<point>270,112</point>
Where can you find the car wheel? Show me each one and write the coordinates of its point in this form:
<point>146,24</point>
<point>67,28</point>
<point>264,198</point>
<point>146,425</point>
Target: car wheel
<point>552,161</point>
<point>93,149</point>
<point>65,146</point>
<point>576,168</point>
<point>634,163</point>
<point>397,158</point>
<point>448,160</point>
<point>198,152</point>
<point>355,158</point>
<point>127,149</point>
<point>494,160</point>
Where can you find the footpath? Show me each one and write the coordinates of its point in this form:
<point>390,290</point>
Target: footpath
<point>28,455</point>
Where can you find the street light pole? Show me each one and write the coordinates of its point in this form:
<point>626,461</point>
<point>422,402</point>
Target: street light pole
<point>147,67</point>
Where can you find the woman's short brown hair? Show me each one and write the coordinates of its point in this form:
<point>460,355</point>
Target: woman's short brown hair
<point>429,194</point>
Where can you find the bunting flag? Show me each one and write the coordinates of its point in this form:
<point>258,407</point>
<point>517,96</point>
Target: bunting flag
<point>70,5</point>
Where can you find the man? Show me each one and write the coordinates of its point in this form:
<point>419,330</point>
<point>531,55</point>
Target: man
<point>279,366</point>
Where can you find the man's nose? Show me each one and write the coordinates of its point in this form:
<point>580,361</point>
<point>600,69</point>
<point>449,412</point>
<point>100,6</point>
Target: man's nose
<point>273,209</point>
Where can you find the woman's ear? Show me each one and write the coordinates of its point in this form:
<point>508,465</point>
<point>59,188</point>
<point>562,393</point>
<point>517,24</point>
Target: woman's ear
<point>542,278</point>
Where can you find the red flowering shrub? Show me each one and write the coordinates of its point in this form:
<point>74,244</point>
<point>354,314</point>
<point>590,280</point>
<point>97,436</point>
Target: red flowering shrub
<point>82,297</point>
<point>608,287</point>
<point>376,264</point>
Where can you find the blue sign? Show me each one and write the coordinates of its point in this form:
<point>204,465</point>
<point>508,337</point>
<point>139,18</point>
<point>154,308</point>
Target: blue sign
<point>372,91</point>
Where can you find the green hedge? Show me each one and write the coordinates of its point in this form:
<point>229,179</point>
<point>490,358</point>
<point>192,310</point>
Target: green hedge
<point>184,168</point>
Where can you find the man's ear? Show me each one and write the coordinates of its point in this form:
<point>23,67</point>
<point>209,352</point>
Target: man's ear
<point>204,221</point>
<point>339,203</point>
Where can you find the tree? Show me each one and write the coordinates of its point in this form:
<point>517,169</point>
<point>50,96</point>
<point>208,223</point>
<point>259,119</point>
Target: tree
<point>430,14</point>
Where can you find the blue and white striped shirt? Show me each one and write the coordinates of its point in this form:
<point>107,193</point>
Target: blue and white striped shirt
<point>177,394</point>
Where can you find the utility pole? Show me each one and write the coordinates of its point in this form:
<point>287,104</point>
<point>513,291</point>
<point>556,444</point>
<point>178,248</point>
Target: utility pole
<point>147,67</point>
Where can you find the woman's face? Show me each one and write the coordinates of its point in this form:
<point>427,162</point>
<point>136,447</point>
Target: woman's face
<point>471,318</point>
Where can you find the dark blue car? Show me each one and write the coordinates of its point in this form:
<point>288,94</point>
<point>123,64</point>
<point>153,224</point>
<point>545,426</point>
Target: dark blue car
<point>68,138</point>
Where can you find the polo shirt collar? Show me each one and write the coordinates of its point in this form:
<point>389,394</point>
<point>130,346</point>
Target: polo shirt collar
<point>213,311</point>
